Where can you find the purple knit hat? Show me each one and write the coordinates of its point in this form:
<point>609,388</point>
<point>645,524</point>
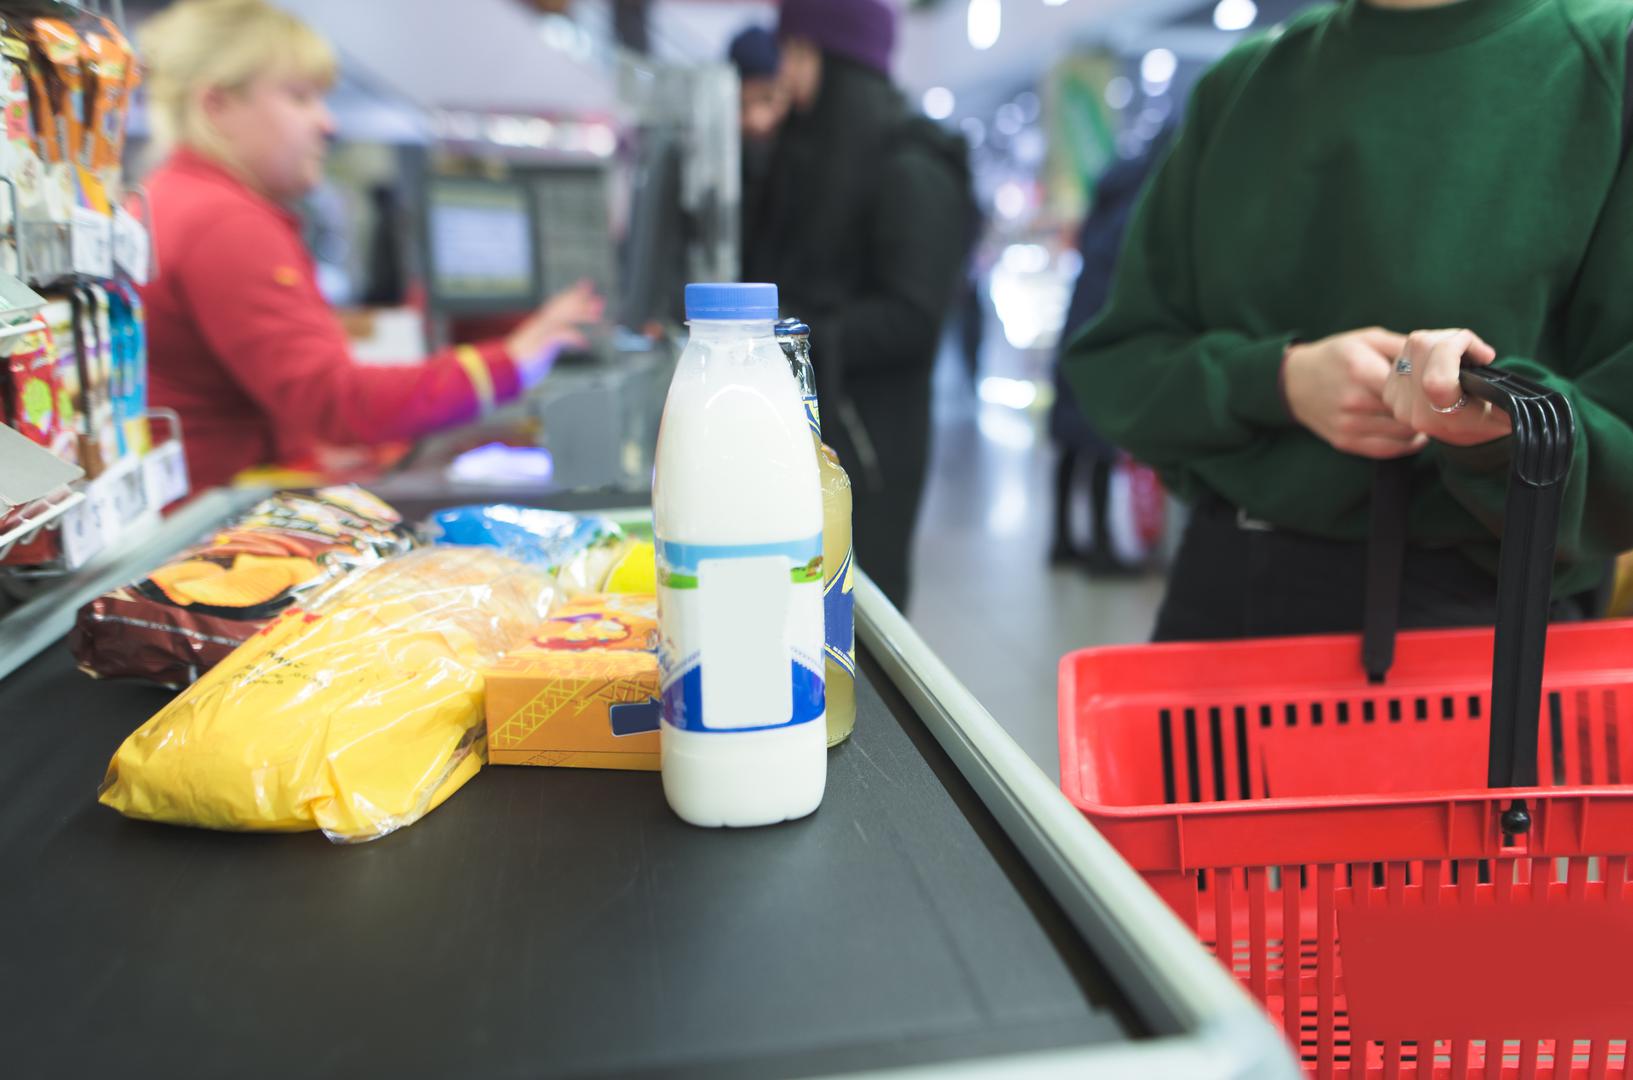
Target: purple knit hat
<point>859,30</point>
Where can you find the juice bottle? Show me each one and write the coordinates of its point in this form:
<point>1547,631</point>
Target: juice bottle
<point>737,524</point>
<point>838,599</point>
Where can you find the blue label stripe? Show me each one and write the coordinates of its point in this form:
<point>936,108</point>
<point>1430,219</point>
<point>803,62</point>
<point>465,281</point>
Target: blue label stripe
<point>813,415</point>
<point>846,662</point>
<point>839,620</point>
<point>685,558</point>
<point>838,581</point>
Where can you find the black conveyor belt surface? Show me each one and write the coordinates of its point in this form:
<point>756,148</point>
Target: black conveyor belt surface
<point>544,922</point>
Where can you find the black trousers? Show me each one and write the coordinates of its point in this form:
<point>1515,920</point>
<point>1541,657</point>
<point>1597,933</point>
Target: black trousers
<point>1231,581</point>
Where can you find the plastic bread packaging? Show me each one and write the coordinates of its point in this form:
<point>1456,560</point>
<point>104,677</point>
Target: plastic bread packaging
<point>581,552</point>
<point>357,716</point>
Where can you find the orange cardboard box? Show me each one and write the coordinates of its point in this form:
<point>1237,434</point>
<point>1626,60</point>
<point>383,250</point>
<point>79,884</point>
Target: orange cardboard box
<point>584,692</point>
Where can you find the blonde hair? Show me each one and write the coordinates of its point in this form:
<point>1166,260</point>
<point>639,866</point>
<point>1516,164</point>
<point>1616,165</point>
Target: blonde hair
<point>196,44</point>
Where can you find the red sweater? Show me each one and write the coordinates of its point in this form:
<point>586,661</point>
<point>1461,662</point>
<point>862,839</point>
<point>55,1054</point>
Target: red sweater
<point>246,350</point>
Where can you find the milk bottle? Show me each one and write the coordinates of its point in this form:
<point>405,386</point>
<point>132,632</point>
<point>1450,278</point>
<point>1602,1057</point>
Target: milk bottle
<point>737,519</point>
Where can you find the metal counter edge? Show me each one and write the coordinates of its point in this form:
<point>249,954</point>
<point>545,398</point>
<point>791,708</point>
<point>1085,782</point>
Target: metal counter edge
<point>1208,1026</point>
<point>42,620</point>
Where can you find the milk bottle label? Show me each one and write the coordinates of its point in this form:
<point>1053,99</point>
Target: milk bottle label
<point>839,616</point>
<point>743,634</point>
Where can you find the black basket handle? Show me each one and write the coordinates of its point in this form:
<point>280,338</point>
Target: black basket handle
<point>1544,440</point>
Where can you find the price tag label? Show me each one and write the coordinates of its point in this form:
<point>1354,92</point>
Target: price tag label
<point>164,473</point>
<point>83,532</point>
<point>92,235</point>
<point>129,496</point>
<point>130,246</point>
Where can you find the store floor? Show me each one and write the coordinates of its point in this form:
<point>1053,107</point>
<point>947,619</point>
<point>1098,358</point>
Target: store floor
<point>984,596</point>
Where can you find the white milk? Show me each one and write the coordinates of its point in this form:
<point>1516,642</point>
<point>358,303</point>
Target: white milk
<point>737,515</point>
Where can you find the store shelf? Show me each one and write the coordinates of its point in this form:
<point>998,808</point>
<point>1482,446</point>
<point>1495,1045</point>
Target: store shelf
<point>119,506</point>
<point>34,516</point>
<point>88,245</point>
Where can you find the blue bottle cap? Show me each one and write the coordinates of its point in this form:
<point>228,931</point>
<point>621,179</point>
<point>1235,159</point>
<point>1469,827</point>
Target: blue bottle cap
<point>735,301</point>
<point>792,328</point>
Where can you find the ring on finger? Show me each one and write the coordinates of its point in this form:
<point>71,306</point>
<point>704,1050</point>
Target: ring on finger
<point>1455,407</point>
<point>1403,365</point>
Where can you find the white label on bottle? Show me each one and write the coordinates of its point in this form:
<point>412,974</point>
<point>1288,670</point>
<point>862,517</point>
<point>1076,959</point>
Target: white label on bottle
<point>742,634</point>
<point>743,615</point>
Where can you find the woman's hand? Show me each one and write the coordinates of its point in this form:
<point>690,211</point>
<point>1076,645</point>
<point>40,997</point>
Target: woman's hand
<point>1335,388</point>
<point>1423,391</point>
<point>557,324</point>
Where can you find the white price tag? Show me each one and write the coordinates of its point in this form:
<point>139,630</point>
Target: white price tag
<point>129,496</point>
<point>83,534</point>
<point>164,473</point>
<point>92,243</point>
<point>130,246</point>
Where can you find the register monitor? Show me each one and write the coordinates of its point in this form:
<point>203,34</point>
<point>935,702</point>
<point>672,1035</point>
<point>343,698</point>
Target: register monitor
<point>482,246</point>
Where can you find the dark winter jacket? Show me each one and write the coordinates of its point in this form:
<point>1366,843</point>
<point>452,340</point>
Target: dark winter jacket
<point>864,227</point>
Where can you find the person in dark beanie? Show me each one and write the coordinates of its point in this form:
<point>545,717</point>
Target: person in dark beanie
<point>755,55</point>
<point>864,227</point>
<point>762,105</point>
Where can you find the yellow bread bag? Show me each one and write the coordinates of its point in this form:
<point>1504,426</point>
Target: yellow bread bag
<point>357,715</point>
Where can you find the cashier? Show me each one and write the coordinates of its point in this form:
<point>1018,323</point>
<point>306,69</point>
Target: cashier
<point>1359,203</point>
<point>242,344</point>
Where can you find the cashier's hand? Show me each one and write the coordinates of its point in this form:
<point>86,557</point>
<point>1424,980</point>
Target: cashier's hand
<point>1335,387</point>
<point>559,323</point>
<point>1413,397</point>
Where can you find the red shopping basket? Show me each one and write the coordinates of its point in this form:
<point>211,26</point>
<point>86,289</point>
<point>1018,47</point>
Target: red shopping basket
<point>1426,876</point>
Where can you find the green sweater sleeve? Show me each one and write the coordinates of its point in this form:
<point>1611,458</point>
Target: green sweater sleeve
<point>1595,373</point>
<point>1150,373</point>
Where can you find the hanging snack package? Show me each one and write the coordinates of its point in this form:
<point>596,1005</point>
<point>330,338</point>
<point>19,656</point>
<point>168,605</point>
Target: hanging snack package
<point>20,154</point>
<point>356,717</point>
<point>187,615</point>
<point>66,52</point>
<point>581,552</point>
<point>33,396</point>
<point>130,359</point>
<point>58,316</point>
<point>62,81</point>
<point>107,59</point>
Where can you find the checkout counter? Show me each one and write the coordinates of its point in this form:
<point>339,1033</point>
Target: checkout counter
<point>945,913</point>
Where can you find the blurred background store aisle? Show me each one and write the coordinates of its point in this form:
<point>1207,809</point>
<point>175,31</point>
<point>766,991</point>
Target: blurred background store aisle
<point>985,596</point>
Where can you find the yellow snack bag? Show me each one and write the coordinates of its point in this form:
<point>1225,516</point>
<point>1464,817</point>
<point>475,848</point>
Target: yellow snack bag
<point>357,716</point>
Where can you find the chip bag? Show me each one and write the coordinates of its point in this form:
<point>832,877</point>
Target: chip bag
<point>187,615</point>
<point>357,717</point>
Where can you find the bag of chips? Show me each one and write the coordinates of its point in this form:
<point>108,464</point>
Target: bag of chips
<point>187,615</point>
<point>356,717</point>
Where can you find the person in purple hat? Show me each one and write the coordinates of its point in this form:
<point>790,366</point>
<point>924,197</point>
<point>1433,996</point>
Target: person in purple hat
<point>864,224</point>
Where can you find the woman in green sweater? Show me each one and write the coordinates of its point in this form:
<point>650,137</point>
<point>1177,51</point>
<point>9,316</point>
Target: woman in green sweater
<point>1357,202</point>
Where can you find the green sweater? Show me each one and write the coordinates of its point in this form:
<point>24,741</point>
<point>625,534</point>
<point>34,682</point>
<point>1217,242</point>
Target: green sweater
<point>1453,166</point>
